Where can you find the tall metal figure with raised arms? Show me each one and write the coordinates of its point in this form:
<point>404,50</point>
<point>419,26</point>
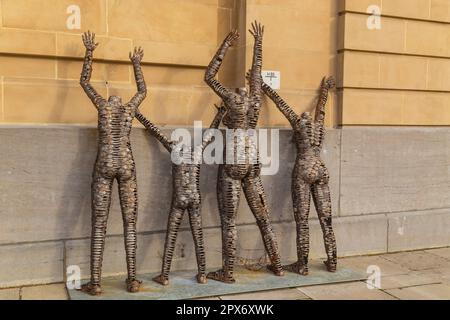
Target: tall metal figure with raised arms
<point>242,113</point>
<point>186,194</point>
<point>114,162</point>
<point>310,176</point>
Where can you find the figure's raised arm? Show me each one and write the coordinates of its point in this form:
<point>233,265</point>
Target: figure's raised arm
<point>214,124</point>
<point>280,103</point>
<point>214,66</point>
<point>255,79</point>
<point>219,115</point>
<point>90,44</point>
<point>136,58</point>
<point>326,85</point>
<point>154,131</point>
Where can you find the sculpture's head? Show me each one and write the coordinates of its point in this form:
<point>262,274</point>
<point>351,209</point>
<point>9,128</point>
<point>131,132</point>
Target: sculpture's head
<point>115,100</point>
<point>242,91</point>
<point>306,115</point>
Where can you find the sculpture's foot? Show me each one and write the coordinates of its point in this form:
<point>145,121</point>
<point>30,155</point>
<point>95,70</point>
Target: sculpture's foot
<point>277,270</point>
<point>133,285</point>
<point>221,276</point>
<point>201,278</point>
<point>92,289</point>
<point>162,280</point>
<point>331,265</point>
<point>298,267</point>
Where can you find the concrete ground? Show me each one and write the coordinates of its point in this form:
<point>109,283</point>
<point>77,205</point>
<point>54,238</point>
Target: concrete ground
<point>419,275</point>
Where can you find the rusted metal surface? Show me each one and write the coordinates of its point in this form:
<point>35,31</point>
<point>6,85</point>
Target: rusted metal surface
<point>114,162</point>
<point>186,195</point>
<point>242,113</point>
<point>310,177</point>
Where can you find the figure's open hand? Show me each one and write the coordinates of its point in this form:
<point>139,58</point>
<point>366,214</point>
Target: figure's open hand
<point>137,55</point>
<point>89,40</point>
<point>232,37</point>
<point>329,82</point>
<point>257,30</point>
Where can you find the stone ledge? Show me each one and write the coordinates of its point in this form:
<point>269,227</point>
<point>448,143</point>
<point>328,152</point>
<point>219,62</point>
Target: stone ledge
<point>31,264</point>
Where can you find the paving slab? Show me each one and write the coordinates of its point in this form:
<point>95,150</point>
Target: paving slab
<point>361,264</point>
<point>439,275</point>
<point>184,286</point>
<point>418,260</point>
<point>405,280</point>
<point>284,294</point>
<point>345,291</point>
<point>442,252</point>
<point>426,292</point>
<point>10,294</point>
<point>47,292</point>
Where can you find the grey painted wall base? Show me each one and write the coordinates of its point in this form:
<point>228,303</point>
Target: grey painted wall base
<point>390,189</point>
<point>184,286</point>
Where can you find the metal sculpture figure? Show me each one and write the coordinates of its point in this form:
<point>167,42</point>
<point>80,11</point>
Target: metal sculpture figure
<point>310,177</point>
<point>242,114</point>
<point>185,195</point>
<point>114,162</point>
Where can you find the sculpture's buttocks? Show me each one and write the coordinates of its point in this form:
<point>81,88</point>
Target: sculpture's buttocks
<point>186,185</point>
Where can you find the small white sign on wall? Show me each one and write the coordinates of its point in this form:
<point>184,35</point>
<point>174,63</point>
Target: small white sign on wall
<point>272,79</point>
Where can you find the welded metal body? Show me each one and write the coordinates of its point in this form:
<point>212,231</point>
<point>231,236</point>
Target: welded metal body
<point>186,195</point>
<point>114,162</point>
<point>243,172</point>
<point>310,177</point>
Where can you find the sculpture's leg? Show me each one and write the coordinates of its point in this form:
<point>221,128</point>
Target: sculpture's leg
<point>301,198</point>
<point>101,200</point>
<point>173,224</point>
<point>256,198</point>
<point>195,220</point>
<point>322,202</point>
<point>129,206</point>
<point>228,195</point>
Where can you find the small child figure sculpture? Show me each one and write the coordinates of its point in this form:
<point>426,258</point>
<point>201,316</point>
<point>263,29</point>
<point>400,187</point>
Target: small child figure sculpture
<point>114,162</point>
<point>185,195</point>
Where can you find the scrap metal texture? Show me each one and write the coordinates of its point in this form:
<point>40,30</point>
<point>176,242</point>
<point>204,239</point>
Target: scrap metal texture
<point>114,162</point>
<point>185,195</point>
<point>310,177</point>
<point>242,113</point>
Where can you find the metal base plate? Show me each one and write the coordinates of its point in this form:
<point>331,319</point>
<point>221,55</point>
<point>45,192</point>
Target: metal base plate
<point>183,284</point>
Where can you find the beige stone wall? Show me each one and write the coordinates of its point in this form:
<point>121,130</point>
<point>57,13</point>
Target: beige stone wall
<point>300,41</point>
<point>40,58</point>
<point>399,74</point>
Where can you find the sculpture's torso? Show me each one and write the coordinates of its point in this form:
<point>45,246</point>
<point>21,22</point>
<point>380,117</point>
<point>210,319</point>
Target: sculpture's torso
<point>241,119</point>
<point>309,137</point>
<point>115,158</point>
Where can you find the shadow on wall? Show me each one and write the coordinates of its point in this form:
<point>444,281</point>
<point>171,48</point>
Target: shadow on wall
<point>74,211</point>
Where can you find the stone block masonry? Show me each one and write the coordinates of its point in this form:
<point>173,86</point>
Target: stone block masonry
<point>389,190</point>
